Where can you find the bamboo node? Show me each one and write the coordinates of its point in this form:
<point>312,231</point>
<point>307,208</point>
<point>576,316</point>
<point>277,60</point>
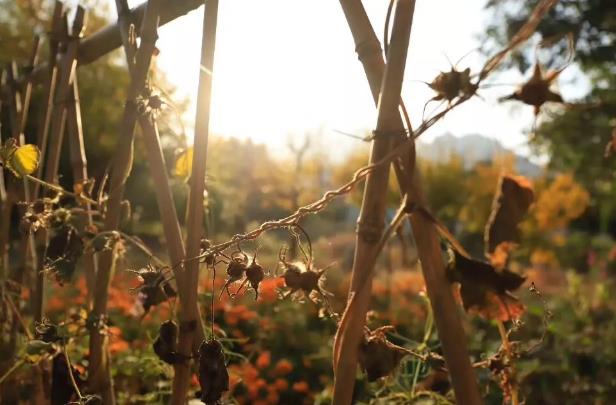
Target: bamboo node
<point>188,326</point>
<point>384,133</point>
<point>369,231</point>
<point>368,48</point>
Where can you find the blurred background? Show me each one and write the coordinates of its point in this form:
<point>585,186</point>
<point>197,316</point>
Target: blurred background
<point>290,101</point>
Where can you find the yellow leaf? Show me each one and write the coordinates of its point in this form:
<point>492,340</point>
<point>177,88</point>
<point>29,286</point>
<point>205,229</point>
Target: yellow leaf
<point>183,164</point>
<point>24,160</point>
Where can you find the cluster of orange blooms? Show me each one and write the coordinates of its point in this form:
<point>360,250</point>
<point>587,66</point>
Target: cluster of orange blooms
<point>263,382</point>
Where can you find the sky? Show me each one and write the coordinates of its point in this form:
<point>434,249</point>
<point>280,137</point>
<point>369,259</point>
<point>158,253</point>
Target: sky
<point>284,68</point>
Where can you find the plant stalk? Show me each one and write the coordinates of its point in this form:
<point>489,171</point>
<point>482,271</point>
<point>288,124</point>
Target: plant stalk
<point>446,311</point>
<point>372,215</point>
<point>187,343</point>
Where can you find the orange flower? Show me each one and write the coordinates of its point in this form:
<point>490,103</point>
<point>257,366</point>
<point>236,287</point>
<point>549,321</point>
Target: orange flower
<point>250,373</point>
<point>301,387</point>
<point>281,384</point>
<point>272,397</point>
<point>194,380</point>
<point>118,345</point>
<point>283,367</point>
<point>268,291</point>
<point>55,303</point>
<point>263,360</point>
<point>254,389</point>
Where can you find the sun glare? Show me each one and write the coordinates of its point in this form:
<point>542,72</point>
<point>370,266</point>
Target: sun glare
<point>285,68</point>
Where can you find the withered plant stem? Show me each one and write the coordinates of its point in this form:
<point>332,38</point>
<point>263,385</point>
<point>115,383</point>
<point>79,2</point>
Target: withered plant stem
<point>99,370</point>
<point>372,215</point>
<point>188,342</point>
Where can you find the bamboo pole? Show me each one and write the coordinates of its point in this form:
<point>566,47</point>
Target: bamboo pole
<point>66,71</point>
<point>99,368</point>
<point>79,165</point>
<point>108,38</point>
<point>4,204</point>
<point>195,232</point>
<point>446,311</point>
<point>372,215</point>
<point>50,88</point>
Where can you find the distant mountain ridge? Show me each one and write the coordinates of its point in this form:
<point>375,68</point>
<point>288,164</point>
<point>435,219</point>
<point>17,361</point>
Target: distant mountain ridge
<point>473,149</point>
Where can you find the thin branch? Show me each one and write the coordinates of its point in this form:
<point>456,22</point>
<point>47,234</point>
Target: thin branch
<point>70,373</point>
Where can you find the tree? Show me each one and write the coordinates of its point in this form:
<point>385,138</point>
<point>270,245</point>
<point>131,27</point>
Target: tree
<point>575,136</point>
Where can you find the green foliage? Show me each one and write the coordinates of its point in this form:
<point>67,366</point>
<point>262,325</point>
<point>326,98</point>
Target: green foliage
<point>575,137</point>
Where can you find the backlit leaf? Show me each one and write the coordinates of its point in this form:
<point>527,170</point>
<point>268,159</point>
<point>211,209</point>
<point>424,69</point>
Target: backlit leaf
<point>183,164</point>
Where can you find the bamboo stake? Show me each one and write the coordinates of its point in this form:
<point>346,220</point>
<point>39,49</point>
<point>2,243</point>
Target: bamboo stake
<point>372,215</point>
<point>66,71</point>
<point>446,311</point>
<point>50,88</point>
<point>108,38</point>
<point>5,214</point>
<point>195,232</point>
<point>171,225</point>
<point>99,367</point>
<point>79,166</point>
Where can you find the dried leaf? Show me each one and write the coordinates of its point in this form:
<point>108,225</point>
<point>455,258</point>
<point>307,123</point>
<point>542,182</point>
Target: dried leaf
<point>165,345</point>
<point>511,202</point>
<point>485,289</point>
<point>62,389</point>
<point>379,357</point>
<point>183,164</point>
<point>63,251</point>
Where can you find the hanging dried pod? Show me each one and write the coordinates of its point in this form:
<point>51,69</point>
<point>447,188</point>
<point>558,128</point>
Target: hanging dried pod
<point>255,273</point>
<point>299,276</point>
<point>62,389</point>
<point>213,375</point>
<point>165,344</point>
<point>235,270</point>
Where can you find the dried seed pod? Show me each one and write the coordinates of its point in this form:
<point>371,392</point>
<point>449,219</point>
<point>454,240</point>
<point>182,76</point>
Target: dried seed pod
<point>235,271</point>
<point>46,331</point>
<point>378,356</point>
<point>213,375</point>
<point>292,276</point>
<point>255,274</point>
<point>165,344</point>
<point>453,84</point>
<point>536,91</point>
<point>155,287</point>
<point>209,259</point>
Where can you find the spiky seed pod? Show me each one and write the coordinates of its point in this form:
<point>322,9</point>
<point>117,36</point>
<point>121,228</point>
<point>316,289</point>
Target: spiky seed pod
<point>309,281</point>
<point>235,271</point>
<point>165,344</point>
<point>452,84</point>
<point>292,277</point>
<point>255,274</point>
<point>213,375</point>
<point>536,91</point>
